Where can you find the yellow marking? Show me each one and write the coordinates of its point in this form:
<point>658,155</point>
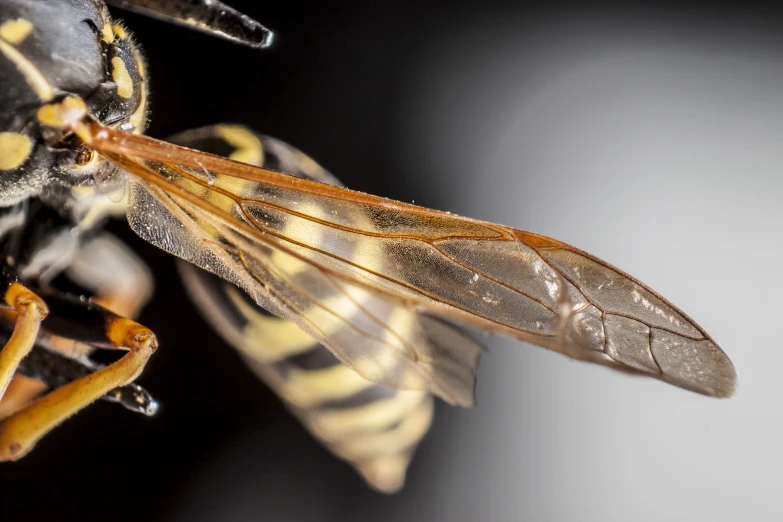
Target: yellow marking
<point>240,187</point>
<point>139,117</point>
<point>333,425</point>
<point>15,148</point>
<point>307,388</point>
<point>293,265</point>
<point>402,320</point>
<point>31,311</point>
<point>382,458</point>
<point>15,31</point>
<point>413,426</point>
<point>84,191</point>
<point>386,473</point>
<point>385,359</point>
<point>32,75</point>
<point>268,338</point>
<point>125,333</point>
<point>120,75</point>
<point>309,166</point>
<point>272,339</point>
<point>141,65</point>
<point>248,146</point>
<point>63,115</point>
<point>119,31</point>
<point>107,35</point>
<point>17,295</point>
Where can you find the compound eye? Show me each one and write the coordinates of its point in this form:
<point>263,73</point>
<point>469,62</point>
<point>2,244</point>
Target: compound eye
<point>86,157</point>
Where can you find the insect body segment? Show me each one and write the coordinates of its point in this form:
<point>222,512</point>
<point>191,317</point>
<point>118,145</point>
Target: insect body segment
<point>375,427</point>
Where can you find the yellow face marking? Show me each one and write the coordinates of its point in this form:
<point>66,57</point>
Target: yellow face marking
<point>34,77</point>
<point>119,31</point>
<point>248,146</point>
<point>107,34</point>
<point>14,149</point>
<point>306,388</point>
<point>120,75</point>
<point>15,31</point>
<point>63,115</point>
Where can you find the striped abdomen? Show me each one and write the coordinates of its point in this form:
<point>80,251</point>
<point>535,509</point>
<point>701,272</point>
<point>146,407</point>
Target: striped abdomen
<point>374,427</point>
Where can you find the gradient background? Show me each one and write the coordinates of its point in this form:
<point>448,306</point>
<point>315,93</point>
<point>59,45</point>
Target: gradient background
<point>651,138</point>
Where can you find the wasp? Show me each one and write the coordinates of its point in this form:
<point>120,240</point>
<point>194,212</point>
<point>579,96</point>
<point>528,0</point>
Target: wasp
<point>352,307</point>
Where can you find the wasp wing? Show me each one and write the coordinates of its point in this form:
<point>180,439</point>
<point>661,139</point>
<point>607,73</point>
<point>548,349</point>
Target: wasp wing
<point>382,339</point>
<point>489,276</point>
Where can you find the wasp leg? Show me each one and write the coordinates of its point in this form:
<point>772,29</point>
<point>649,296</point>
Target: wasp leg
<point>113,273</point>
<point>98,327</point>
<point>51,369</point>
<point>30,312</point>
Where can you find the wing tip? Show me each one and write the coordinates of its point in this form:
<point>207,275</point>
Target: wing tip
<point>721,384</point>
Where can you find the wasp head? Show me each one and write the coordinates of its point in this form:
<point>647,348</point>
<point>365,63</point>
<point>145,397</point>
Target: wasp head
<point>61,61</point>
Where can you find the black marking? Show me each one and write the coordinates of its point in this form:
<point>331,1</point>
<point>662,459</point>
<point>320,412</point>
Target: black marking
<point>367,396</point>
<point>77,318</point>
<point>317,358</point>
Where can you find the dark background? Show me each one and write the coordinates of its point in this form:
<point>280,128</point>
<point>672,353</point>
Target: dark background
<point>222,447</point>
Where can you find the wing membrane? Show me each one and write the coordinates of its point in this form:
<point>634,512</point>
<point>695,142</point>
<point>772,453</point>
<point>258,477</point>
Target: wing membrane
<point>259,228</point>
<point>372,333</point>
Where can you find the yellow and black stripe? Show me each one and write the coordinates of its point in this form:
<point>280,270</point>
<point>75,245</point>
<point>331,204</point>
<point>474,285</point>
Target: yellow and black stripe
<point>374,427</point>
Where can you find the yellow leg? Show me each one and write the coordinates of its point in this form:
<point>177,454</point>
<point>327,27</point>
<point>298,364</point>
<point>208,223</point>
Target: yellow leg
<point>23,429</point>
<point>30,310</point>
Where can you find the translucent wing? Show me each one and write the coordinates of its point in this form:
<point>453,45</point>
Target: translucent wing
<point>258,228</point>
